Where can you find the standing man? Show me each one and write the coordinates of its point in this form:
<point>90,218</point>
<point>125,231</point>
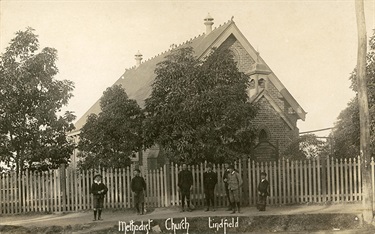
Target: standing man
<point>263,192</point>
<point>185,185</point>
<point>225,179</point>
<point>138,185</point>
<point>99,190</point>
<point>234,185</point>
<point>209,183</point>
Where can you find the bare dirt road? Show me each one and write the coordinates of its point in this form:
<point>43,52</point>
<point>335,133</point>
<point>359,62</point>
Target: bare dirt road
<point>337,218</point>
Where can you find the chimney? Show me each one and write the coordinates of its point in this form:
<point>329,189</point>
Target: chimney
<point>138,58</point>
<point>208,21</point>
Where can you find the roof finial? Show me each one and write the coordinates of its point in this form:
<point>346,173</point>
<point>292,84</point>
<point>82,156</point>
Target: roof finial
<point>173,46</point>
<point>257,52</point>
<point>231,19</point>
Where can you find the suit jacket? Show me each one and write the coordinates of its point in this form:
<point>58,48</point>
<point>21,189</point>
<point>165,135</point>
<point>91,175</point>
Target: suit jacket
<point>234,180</point>
<point>263,188</point>
<point>138,184</point>
<point>185,179</point>
<point>209,180</point>
<point>96,188</point>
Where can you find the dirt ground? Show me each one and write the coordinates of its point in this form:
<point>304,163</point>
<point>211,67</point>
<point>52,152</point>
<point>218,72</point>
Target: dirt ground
<point>334,218</point>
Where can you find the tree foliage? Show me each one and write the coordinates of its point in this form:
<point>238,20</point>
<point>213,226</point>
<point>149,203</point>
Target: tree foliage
<point>199,109</point>
<point>110,138</point>
<point>32,135</point>
<point>307,146</point>
<point>346,133</point>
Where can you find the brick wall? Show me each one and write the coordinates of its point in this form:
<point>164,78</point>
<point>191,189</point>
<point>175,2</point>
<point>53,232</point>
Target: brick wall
<point>243,59</point>
<point>280,134</point>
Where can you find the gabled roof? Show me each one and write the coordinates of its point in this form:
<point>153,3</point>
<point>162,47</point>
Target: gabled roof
<point>137,81</point>
<point>264,93</point>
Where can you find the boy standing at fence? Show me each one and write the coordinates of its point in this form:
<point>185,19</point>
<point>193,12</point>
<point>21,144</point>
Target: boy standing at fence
<point>138,186</point>
<point>209,183</point>
<point>263,192</point>
<point>185,185</point>
<point>234,185</point>
<point>99,190</point>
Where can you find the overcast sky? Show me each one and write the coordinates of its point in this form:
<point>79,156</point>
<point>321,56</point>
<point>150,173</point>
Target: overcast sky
<point>310,45</point>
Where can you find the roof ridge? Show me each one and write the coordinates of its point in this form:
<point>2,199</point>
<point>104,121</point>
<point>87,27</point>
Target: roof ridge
<point>181,44</point>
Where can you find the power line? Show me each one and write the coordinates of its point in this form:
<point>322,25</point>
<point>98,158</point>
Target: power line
<point>318,130</point>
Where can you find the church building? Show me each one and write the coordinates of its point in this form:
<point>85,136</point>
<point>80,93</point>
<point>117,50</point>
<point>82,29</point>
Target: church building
<point>276,121</point>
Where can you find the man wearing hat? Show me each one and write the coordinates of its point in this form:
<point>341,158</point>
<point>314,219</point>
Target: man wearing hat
<point>209,183</point>
<point>263,192</point>
<point>234,184</point>
<point>138,186</point>
<point>99,190</point>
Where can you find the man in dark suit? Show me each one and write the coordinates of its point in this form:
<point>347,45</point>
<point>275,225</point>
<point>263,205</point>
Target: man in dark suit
<point>209,183</point>
<point>138,186</point>
<point>185,185</point>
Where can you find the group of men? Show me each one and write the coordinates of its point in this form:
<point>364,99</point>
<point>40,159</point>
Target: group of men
<point>231,178</point>
<point>232,182</point>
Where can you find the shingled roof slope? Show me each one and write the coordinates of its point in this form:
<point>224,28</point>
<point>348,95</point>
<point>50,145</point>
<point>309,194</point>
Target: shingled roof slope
<point>137,81</point>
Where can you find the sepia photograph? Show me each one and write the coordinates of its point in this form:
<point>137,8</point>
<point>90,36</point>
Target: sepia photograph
<point>187,116</point>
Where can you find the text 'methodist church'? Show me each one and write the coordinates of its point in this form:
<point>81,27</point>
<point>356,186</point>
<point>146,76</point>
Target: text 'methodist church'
<point>276,121</point>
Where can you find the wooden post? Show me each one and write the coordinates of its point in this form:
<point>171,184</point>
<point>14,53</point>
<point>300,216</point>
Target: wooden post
<point>364,116</point>
<point>63,187</point>
<point>168,185</point>
<point>324,178</point>
<point>245,189</point>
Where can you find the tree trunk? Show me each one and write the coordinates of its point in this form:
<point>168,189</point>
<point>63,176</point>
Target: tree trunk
<point>364,113</point>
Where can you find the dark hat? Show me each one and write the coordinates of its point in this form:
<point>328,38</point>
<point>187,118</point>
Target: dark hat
<point>98,176</point>
<point>263,173</point>
<point>231,167</point>
<point>209,165</point>
<point>137,170</point>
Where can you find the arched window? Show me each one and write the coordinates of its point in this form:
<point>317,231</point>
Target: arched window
<point>236,56</point>
<point>252,84</point>
<point>262,83</point>
<point>263,136</point>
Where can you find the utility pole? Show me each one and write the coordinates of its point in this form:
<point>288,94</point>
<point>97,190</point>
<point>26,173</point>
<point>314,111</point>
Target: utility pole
<point>364,113</point>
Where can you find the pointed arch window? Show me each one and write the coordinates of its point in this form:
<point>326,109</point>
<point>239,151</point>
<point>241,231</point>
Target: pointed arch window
<point>252,84</point>
<point>263,136</point>
<point>262,83</point>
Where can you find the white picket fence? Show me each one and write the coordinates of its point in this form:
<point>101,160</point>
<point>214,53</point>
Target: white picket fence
<point>291,182</point>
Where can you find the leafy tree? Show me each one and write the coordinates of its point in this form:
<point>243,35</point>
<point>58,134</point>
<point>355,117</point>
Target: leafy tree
<point>306,147</point>
<point>110,138</point>
<point>199,109</point>
<point>32,134</point>
<point>346,133</point>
